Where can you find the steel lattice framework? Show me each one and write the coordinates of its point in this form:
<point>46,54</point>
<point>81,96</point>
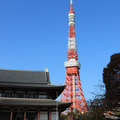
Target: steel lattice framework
<point>73,91</point>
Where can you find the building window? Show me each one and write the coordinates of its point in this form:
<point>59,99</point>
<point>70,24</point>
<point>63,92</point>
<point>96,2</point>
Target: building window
<point>42,96</point>
<point>30,95</point>
<point>7,94</point>
<point>0,94</point>
<point>20,94</point>
<point>3,95</point>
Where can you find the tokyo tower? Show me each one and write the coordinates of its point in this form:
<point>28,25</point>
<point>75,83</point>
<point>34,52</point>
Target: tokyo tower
<point>73,91</point>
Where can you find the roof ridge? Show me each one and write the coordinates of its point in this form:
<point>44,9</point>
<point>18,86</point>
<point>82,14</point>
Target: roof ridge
<point>22,70</point>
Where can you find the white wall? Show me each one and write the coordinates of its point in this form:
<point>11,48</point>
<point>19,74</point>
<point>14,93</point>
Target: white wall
<point>43,116</point>
<point>54,116</point>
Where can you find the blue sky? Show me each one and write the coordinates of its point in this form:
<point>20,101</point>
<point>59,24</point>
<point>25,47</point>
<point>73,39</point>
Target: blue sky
<point>34,33</point>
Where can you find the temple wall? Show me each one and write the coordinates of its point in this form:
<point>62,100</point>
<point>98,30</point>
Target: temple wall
<point>54,116</point>
<point>43,116</point>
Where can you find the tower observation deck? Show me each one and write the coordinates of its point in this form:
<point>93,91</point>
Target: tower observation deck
<point>73,91</point>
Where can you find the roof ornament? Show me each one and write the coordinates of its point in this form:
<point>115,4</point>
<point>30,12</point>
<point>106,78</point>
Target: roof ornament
<point>46,70</point>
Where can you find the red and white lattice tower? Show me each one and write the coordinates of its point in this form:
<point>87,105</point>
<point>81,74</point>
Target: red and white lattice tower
<point>73,91</point>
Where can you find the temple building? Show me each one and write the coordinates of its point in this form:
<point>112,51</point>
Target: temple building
<point>29,95</point>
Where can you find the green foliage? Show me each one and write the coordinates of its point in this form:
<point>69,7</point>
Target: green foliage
<point>111,78</point>
<point>63,116</point>
<point>94,113</point>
